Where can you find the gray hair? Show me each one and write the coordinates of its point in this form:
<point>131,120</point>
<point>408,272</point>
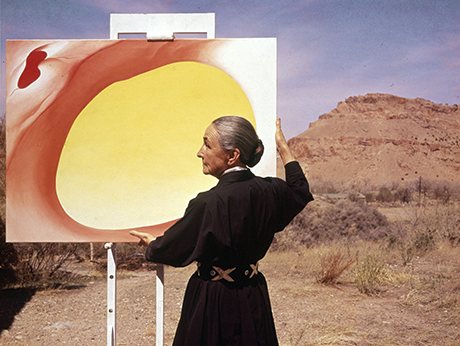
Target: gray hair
<point>237,132</point>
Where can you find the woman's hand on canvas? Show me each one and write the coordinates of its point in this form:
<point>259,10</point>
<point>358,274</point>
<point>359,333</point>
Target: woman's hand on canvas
<point>282,145</point>
<point>144,238</point>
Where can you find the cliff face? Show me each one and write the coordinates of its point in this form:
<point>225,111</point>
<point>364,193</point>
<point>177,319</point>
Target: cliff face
<point>381,139</point>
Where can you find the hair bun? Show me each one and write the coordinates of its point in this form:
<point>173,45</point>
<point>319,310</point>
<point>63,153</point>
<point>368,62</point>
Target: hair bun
<point>237,132</point>
<point>257,154</point>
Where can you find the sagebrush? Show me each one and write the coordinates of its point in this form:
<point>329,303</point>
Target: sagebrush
<point>324,222</point>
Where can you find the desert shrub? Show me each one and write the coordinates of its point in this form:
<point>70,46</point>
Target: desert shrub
<point>429,225</point>
<point>407,252</point>
<point>44,265</point>
<point>8,259</point>
<point>417,242</point>
<point>8,254</point>
<point>403,194</point>
<point>454,236</point>
<point>370,197</point>
<point>332,265</point>
<point>320,186</point>
<point>384,195</point>
<point>391,194</point>
<point>442,193</point>
<point>357,197</point>
<point>444,220</point>
<point>424,241</point>
<point>2,167</point>
<point>440,190</point>
<point>436,222</point>
<point>370,274</point>
<point>131,256</point>
<point>322,222</point>
<point>128,256</point>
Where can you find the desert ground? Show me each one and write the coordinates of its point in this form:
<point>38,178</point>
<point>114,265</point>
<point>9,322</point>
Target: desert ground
<point>415,304</point>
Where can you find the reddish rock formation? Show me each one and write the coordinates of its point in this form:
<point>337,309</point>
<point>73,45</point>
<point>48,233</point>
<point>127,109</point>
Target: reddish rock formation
<point>380,139</point>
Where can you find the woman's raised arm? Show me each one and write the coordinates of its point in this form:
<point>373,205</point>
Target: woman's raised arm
<point>281,144</point>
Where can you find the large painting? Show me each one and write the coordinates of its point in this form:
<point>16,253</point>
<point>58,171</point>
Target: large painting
<point>102,135</point>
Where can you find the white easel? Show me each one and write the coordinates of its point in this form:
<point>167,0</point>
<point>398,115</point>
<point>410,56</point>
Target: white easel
<point>156,27</point>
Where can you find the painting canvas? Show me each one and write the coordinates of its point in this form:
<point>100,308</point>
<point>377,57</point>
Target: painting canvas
<point>102,135</point>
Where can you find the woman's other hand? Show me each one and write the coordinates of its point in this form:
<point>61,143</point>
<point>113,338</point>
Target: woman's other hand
<point>145,238</point>
<point>281,144</point>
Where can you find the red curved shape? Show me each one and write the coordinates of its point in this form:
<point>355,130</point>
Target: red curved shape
<point>34,212</point>
<point>31,71</point>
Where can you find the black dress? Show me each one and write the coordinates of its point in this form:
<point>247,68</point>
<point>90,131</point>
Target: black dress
<point>231,225</point>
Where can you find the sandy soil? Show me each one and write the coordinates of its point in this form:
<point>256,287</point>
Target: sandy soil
<point>422,311</point>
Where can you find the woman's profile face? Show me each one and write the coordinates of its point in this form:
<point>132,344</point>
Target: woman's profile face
<point>213,157</point>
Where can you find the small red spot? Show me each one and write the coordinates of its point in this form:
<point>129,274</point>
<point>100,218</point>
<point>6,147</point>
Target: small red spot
<point>31,71</point>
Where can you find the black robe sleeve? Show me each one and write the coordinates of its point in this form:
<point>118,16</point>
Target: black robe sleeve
<point>293,195</point>
<point>182,242</point>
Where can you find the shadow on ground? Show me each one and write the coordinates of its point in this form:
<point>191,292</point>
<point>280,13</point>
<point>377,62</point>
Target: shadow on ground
<point>12,301</point>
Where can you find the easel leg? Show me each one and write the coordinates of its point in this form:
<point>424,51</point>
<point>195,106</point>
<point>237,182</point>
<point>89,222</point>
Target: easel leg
<point>160,273</point>
<point>111,294</point>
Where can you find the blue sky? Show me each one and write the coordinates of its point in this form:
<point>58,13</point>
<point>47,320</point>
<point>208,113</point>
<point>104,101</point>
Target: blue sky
<point>328,50</point>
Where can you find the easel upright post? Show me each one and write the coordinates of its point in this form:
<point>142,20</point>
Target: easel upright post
<point>111,294</point>
<point>160,277</point>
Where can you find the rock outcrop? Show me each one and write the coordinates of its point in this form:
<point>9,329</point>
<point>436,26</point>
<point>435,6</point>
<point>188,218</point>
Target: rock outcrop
<point>381,140</point>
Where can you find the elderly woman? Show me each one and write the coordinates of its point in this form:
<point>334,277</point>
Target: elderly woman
<point>227,230</point>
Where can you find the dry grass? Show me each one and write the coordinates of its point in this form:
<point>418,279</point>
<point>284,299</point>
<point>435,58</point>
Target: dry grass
<point>436,283</point>
<point>333,264</point>
<point>378,301</point>
<point>370,273</point>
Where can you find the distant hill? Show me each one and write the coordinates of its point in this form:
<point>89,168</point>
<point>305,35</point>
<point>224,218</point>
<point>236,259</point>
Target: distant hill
<point>382,140</point>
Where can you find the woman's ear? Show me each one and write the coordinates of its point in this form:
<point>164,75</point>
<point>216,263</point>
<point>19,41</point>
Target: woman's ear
<point>233,157</point>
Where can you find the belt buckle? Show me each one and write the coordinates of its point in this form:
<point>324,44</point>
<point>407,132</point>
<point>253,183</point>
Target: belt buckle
<point>222,274</point>
<point>216,273</point>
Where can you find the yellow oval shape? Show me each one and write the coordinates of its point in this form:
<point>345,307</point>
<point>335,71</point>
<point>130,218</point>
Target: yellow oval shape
<point>129,159</point>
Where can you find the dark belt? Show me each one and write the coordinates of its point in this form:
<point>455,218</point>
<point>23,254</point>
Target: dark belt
<point>232,274</point>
